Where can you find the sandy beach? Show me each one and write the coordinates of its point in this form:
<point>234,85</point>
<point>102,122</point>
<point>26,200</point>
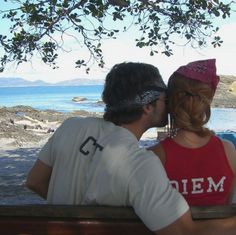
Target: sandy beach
<point>23,131</point>
<point>25,127</point>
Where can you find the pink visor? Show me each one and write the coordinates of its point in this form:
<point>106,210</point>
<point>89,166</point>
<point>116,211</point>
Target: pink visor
<point>201,70</point>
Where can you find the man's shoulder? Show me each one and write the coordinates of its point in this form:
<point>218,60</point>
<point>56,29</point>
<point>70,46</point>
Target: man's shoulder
<point>82,120</point>
<point>92,124</point>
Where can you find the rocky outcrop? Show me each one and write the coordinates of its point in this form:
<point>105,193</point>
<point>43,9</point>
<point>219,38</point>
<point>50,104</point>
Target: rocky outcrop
<point>225,96</point>
<point>78,99</point>
<point>24,125</point>
<point>232,88</point>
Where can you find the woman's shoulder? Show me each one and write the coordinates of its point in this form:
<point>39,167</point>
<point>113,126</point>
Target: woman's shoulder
<point>230,152</point>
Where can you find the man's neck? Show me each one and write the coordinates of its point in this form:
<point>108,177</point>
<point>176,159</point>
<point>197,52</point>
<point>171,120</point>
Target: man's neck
<point>135,128</point>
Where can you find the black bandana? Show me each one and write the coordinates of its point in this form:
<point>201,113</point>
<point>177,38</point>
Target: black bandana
<point>147,96</point>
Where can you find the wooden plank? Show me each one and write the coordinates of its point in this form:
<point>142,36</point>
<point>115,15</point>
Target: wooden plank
<point>213,212</point>
<point>71,227</point>
<point>68,211</point>
<point>86,220</point>
<point>103,212</point>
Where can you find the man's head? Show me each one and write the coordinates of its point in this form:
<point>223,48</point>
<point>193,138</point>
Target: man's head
<point>128,88</point>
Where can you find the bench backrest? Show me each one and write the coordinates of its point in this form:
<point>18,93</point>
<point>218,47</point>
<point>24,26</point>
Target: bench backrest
<point>84,220</point>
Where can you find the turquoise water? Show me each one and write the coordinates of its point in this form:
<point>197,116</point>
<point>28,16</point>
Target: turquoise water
<point>53,97</point>
<point>60,98</point>
<point>14,168</point>
<point>222,119</point>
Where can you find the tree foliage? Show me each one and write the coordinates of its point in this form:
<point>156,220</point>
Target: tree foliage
<point>40,27</point>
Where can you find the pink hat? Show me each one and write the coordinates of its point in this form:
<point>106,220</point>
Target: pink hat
<point>201,70</point>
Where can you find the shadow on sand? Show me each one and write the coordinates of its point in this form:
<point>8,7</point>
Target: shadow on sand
<point>15,165</point>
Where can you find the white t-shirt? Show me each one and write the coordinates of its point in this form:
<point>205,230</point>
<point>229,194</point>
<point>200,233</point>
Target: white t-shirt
<point>98,163</point>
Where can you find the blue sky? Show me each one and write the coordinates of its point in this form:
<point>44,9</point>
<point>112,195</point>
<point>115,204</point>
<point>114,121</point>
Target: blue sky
<point>123,49</point>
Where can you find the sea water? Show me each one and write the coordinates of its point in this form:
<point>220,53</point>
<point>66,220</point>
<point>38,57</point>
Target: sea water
<point>53,97</point>
<point>15,165</point>
<point>60,98</point>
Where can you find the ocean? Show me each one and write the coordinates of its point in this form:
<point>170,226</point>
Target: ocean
<point>60,98</point>
<point>13,169</point>
<point>53,97</point>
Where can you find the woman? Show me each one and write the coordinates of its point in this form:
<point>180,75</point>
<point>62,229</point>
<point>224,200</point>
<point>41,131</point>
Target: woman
<point>199,164</point>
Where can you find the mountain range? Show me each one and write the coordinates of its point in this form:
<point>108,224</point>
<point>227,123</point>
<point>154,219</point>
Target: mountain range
<point>20,82</point>
<point>225,96</point>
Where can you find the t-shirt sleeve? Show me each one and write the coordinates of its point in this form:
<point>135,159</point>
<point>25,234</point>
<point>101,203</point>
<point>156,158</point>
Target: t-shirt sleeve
<point>48,152</point>
<point>153,198</point>
<point>45,154</point>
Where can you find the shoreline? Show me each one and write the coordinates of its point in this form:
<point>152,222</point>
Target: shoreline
<point>23,131</point>
<point>24,126</point>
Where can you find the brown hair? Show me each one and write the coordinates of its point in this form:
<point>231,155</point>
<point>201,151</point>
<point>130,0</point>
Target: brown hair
<point>189,104</point>
<point>124,82</point>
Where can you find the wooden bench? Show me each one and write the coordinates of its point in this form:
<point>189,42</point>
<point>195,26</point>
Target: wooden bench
<point>85,220</point>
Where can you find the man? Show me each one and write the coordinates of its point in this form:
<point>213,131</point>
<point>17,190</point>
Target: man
<point>91,161</point>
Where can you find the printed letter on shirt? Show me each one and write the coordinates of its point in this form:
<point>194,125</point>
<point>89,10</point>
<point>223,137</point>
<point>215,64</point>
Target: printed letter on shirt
<point>184,181</point>
<point>175,184</point>
<point>197,187</point>
<point>220,185</point>
<point>89,143</point>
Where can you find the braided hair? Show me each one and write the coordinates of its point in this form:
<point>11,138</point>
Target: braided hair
<point>189,104</point>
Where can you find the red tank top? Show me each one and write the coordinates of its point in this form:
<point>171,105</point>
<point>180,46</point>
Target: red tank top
<point>203,175</point>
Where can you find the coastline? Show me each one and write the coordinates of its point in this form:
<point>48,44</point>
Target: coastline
<point>27,127</point>
<point>24,126</point>
<point>23,131</point>
<point>225,95</point>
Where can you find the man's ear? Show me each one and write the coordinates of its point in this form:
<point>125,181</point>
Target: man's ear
<point>147,108</point>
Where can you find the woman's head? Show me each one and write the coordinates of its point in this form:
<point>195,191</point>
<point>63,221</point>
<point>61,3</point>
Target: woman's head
<point>190,95</point>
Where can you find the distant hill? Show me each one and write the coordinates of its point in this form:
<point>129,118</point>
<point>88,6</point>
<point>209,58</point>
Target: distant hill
<point>225,94</point>
<point>80,81</point>
<point>20,82</point>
